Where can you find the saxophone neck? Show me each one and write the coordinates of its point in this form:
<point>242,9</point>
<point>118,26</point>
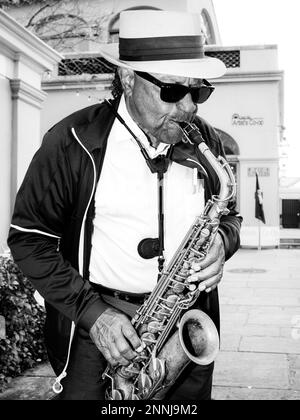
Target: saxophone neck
<point>221,167</point>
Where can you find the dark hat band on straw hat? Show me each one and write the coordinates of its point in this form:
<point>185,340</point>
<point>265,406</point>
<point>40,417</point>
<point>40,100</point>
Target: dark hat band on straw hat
<point>161,48</point>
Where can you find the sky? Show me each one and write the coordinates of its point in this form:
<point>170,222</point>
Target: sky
<point>259,22</point>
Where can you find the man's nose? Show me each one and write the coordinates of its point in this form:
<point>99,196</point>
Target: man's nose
<point>186,104</point>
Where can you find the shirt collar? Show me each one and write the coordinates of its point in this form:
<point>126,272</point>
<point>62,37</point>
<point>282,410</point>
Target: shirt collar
<point>162,148</point>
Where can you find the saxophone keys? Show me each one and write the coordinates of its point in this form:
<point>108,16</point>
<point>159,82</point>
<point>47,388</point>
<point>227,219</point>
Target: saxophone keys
<point>196,267</point>
<point>154,327</point>
<point>181,275</point>
<point>186,265</point>
<point>198,254</point>
<point>170,300</point>
<point>142,329</point>
<point>161,314</point>
<point>157,369</point>
<point>205,233</point>
<point>116,394</point>
<point>192,287</point>
<point>148,338</point>
<point>144,383</point>
<point>128,371</point>
<point>196,260</point>
<point>201,241</point>
<point>179,288</point>
<point>215,223</point>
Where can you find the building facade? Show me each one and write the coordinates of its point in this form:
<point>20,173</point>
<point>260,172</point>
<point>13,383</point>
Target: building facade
<point>246,107</point>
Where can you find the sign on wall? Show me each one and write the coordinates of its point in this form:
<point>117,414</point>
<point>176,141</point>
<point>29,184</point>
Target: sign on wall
<point>261,171</point>
<point>240,120</point>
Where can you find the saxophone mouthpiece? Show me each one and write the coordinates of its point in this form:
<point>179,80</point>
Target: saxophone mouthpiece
<point>184,129</point>
<point>191,133</point>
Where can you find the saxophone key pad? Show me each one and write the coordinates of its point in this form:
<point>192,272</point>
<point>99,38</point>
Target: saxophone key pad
<point>154,327</point>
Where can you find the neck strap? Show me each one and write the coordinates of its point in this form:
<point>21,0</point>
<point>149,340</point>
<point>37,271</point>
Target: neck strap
<point>150,248</point>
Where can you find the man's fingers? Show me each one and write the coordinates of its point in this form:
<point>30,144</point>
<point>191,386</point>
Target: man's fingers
<point>210,289</point>
<point>124,348</point>
<point>118,352</point>
<point>107,354</point>
<point>140,348</point>
<point>204,274</point>
<point>117,356</point>
<point>115,337</point>
<point>215,253</point>
<point>210,284</point>
<point>131,335</point>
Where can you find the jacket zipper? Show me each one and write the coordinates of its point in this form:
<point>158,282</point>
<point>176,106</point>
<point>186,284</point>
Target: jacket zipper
<point>57,386</point>
<point>81,240</point>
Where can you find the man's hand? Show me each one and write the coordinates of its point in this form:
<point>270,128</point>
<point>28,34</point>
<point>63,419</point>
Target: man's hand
<point>115,337</point>
<point>209,272</point>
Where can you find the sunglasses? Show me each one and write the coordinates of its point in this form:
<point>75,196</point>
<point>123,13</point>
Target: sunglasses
<point>173,92</point>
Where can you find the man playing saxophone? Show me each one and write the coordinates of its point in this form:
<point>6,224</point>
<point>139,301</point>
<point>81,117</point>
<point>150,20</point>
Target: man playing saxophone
<point>110,195</point>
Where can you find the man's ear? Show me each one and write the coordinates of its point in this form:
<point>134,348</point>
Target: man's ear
<point>127,80</point>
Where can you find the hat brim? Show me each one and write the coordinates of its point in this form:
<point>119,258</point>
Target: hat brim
<point>202,68</point>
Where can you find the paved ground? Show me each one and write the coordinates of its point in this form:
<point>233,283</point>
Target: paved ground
<point>260,312</point>
<point>260,337</point>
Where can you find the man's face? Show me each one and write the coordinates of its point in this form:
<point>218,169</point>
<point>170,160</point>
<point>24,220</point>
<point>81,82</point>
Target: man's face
<point>157,118</point>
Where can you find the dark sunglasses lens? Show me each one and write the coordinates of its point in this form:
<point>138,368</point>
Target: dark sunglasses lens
<point>200,95</point>
<point>173,93</point>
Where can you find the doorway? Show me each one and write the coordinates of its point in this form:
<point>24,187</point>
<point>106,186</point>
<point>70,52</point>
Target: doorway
<point>291,214</point>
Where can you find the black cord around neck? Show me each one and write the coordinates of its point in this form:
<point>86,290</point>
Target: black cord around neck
<point>150,248</point>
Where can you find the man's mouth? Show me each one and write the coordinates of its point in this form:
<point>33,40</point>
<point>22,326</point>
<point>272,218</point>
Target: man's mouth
<point>177,122</point>
<point>180,121</point>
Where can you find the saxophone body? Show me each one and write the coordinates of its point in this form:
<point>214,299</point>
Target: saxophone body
<point>171,332</point>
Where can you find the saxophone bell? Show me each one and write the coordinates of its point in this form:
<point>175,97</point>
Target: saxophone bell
<point>199,337</point>
<point>196,340</point>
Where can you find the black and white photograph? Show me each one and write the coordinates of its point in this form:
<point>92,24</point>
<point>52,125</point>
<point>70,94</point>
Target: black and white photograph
<point>150,203</point>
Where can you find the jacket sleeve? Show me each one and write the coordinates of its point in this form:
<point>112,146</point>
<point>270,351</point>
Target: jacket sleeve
<point>229,229</point>
<point>42,206</point>
<point>230,225</point>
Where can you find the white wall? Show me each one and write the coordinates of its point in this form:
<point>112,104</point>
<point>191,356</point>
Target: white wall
<point>62,102</point>
<point>27,139</point>
<point>23,60</point>
<point>5,157</point>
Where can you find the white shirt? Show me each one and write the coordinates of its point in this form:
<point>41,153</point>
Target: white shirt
<point>126,205</point>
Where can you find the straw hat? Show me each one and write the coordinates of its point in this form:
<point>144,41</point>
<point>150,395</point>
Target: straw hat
<point>162,42</point>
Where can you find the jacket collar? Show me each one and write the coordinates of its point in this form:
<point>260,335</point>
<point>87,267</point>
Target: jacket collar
<point>92,131</point>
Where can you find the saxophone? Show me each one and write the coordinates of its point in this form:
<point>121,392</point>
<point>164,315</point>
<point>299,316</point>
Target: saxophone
<point>166,353</point>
